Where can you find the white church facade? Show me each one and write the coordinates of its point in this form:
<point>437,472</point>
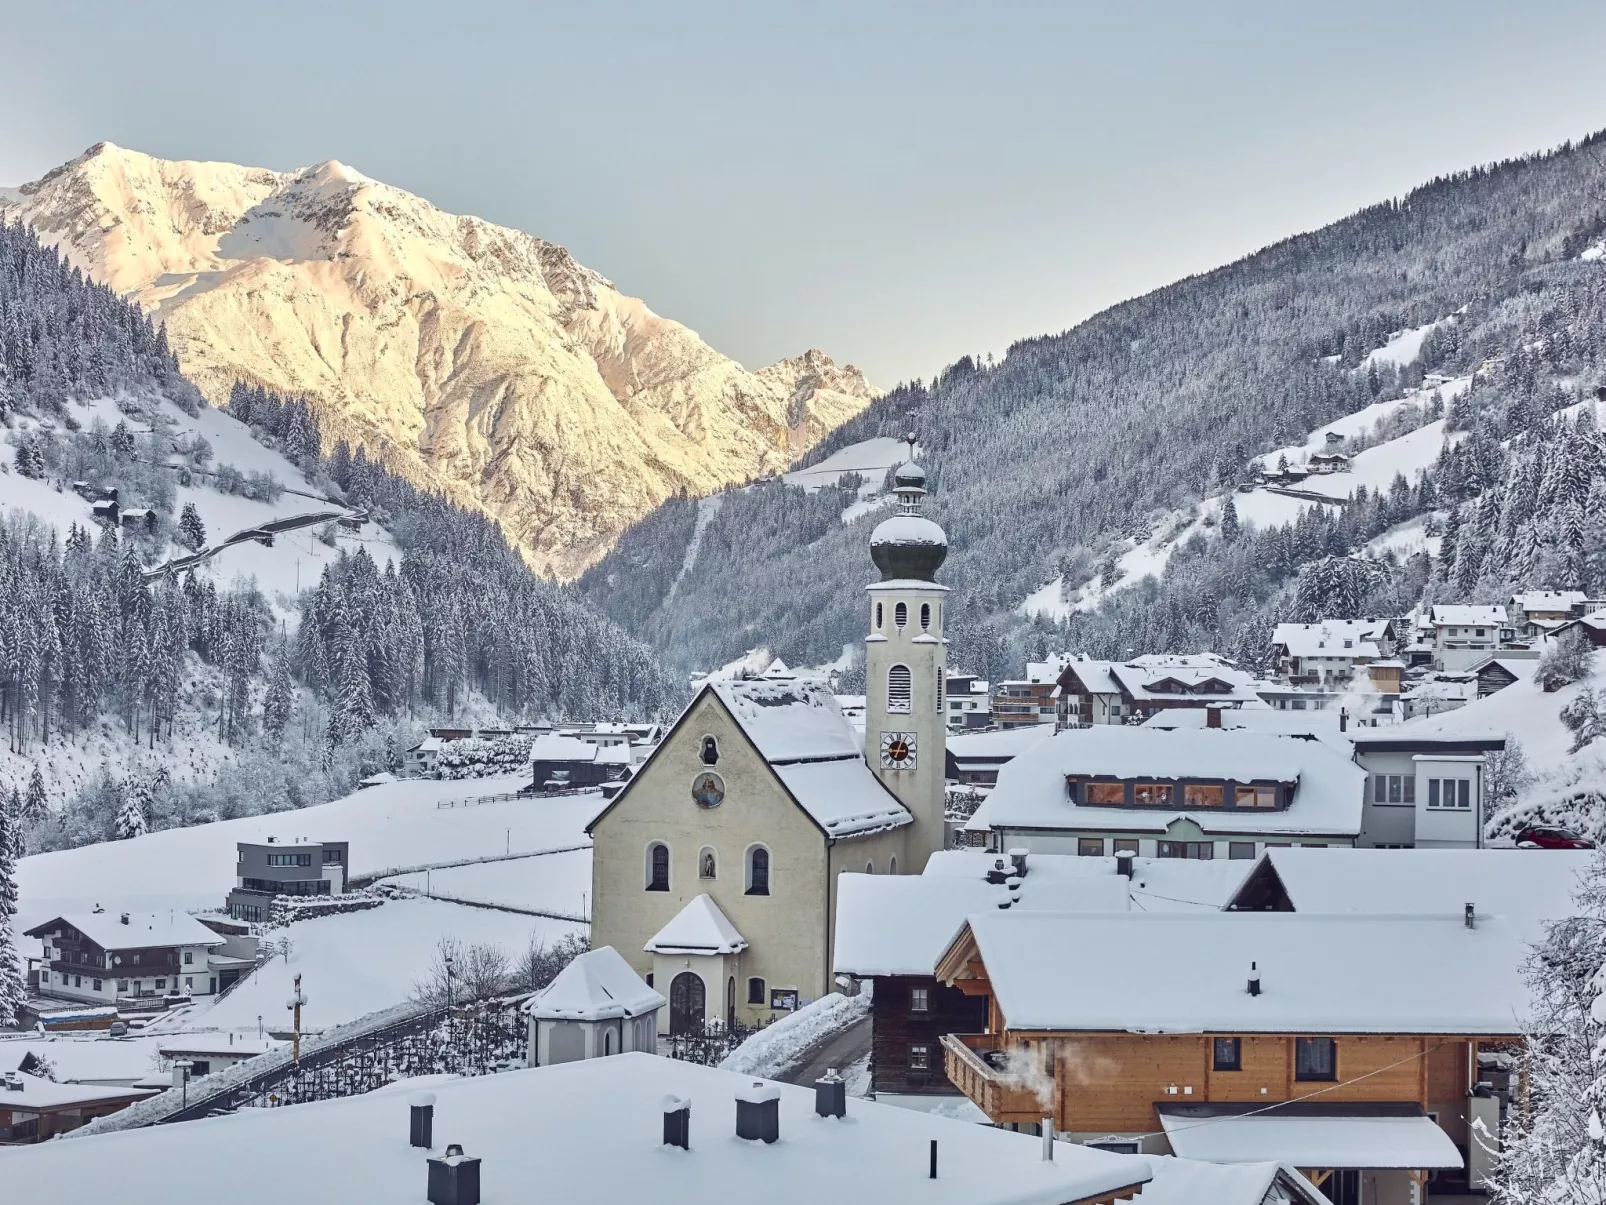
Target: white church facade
<point>714,870</point>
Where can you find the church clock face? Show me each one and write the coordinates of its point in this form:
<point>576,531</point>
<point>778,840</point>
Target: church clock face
<point>897,751</point>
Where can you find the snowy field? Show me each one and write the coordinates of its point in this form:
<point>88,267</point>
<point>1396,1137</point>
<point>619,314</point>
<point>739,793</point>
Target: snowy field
<point>870,458</point>
<point>556,883</point>
<point>397,825</point>
<point>359,962</point>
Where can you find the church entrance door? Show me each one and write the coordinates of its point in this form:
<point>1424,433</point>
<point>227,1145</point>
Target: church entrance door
<point>687,1003</point>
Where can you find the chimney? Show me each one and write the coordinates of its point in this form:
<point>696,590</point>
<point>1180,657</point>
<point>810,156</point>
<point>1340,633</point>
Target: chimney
<point>1343,719</point>
<point>1212,717</point>
<point>124,918</point>
<point>1047,1127</point>
<point>1123,862</point>
<point>1018,858</point>
<point>454,1178</point>
<point>1472,917</point>
<point>677,1122</point>
<point>933,1159</point>
<point>830,1095</point>
<point>758,1112</point>
<point>1254,980</point>
<point>421,1122</point>
<point>997,874</point>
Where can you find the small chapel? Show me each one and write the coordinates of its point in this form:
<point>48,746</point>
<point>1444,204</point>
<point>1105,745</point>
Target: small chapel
<point>714,871</point>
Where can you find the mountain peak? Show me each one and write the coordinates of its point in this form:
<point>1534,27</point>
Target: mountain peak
<point>474,359</point>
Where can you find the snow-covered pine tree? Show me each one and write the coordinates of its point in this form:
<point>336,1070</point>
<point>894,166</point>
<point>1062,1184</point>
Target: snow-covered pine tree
<point>131,820</point>
<point>35,805</point>
<point>11,986</point>
<point>1554,1152</point>
<point>192,532</point>
<point>1229,520</point>
<point>278,704</point>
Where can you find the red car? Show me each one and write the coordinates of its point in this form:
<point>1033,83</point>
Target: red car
<point>1552,838</point>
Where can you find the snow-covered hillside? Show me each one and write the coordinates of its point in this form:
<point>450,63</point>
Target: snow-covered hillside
<point>1375,467</point>
<point>475,359</point>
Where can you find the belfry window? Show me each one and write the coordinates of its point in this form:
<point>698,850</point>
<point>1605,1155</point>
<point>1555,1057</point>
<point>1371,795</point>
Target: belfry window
<point>878,617</point>
<point>899,688</point>
<point>900,615</point>
<point>925,617</point>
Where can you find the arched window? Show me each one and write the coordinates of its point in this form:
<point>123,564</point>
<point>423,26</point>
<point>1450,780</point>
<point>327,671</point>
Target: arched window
<point>707,864</point>
<point>755,991</point>
<point>607,1041</point>
<point>900,691</point>
<point>892,868</point>
<point>710,751</point>
<point>878,617</point>
<point>758,871</point>
<point>925,617</point>
<point>657,867</point>
<point>869,868</point>
<point>900,615</point>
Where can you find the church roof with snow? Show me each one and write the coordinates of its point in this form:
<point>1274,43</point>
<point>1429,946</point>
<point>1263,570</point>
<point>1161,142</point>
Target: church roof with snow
<point>698,928</point>
<point>596,986</point>
<point>788,720</point>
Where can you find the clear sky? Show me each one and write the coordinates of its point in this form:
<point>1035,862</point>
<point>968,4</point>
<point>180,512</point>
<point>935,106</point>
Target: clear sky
<point>897,183</point>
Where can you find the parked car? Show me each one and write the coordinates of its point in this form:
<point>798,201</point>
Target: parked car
<point>1535,837</point>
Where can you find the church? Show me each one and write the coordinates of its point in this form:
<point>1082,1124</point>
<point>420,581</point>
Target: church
<point>714,871</point>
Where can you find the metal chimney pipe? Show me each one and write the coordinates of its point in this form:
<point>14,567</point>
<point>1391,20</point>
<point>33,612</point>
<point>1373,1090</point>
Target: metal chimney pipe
<point>933,1159</point>
<point>1254,980</point>
<point>1048,1139</point>
<point>1472,917</point>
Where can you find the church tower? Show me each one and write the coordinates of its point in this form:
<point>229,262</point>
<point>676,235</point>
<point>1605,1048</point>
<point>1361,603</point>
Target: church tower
<point>906,663</point>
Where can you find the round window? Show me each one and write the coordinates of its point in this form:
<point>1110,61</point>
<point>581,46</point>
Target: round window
<point>708,790</point>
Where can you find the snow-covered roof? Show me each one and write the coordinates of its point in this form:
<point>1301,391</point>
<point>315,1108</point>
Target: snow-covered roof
<point>1319,724</point>
<point>1031,790</point>
<point>1158,676</point>
<point>901,924</point>
<point>698,928</point>
<point>908,529</point>
<point>19,1090</point>
<point>551,747</point>
<point>1187,972</point>
<point>1463,615</point>
<point>789,720</point>
<point>1327,1137</point>
<point>1526,887</point>
<point>144,930</point>
<point>600,1128</point>
<point>596,986</point>
<point>430,744</point>
<point>1547,600</point>
<point>843,796</point>
<point>238,1045</point>
<point>1047,671</point>
<point>1194,1182</point>
<point>1000,744</point>
<point>1328,638</point>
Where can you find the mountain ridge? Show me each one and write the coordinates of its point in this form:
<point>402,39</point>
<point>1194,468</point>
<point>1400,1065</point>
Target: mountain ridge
<point>470,358</point>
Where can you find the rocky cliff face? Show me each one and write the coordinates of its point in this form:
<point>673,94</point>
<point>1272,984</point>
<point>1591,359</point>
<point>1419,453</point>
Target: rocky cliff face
<point>469,357</point>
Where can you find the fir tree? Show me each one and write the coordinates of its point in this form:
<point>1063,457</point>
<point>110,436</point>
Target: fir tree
<point>1229,520</point>
<point>12,994</point>
<point>35,806</point>
<point>278,705</point>
<point>131,819</point>
<point>192,532</point>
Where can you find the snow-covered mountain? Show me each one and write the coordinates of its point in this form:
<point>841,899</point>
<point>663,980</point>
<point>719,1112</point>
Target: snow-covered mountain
<point>471,358</point>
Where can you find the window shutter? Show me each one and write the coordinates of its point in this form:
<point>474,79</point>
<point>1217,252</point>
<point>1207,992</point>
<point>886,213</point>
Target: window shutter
<point>899,688</point>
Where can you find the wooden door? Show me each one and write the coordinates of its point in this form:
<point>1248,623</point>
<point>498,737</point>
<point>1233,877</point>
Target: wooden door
<point>687,1003</point>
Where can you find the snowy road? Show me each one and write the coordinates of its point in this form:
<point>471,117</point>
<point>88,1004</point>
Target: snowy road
<point>838,1050</point>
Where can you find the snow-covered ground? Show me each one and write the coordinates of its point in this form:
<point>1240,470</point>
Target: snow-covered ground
<point>1402,347</point>
<point>776,1047</point>
<point>556,883</point>
<point>870,458</point>
<point>360,962</point>
<point>85,1057</point>
<point>397,825</point>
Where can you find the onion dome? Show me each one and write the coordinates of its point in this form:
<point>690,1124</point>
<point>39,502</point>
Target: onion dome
<point>909,477</point>
<point>908,547</point>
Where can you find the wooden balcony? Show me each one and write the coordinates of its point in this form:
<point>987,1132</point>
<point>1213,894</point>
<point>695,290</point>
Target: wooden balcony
<point>992,1091</point>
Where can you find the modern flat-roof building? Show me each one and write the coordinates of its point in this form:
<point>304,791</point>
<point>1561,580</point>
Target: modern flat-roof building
<point>298,869</point>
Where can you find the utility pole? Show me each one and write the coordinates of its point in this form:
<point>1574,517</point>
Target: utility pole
<point>297,999</point>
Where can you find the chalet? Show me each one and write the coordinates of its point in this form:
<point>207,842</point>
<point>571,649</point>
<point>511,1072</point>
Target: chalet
<point>1463,634</point>
<point>1593,628</point>
<point>1329,462</point>
<point>34,1109</point>
<point>891,930</point>
<point>1204,793</point>
<point>105,510</point>
<point>596,1006</point>
<point>138,519</point>
<point>423,758</point>
<point>104,958</point>
<point>560,763</point>
<point>273,869</point>
<point>1536,613</point>
<point>632,1128</point>
<point>1315,1040</point>
<point>1022,702</point>
<point>969,702</point>
<point>1114,692</point>
<point>1497,673</point>
<point>1387,676</point>
<point>1327,652</point>
<point>974,758</point>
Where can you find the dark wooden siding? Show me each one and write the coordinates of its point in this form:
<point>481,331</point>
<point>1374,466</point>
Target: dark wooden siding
<point>895,1029</point>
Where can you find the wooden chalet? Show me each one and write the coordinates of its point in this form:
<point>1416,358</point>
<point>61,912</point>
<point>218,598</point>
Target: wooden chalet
<point>1321,1041</point>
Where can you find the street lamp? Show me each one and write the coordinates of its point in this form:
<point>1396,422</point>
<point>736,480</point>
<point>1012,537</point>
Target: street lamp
<point>294,1004</point>
<point>182,1066</point>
